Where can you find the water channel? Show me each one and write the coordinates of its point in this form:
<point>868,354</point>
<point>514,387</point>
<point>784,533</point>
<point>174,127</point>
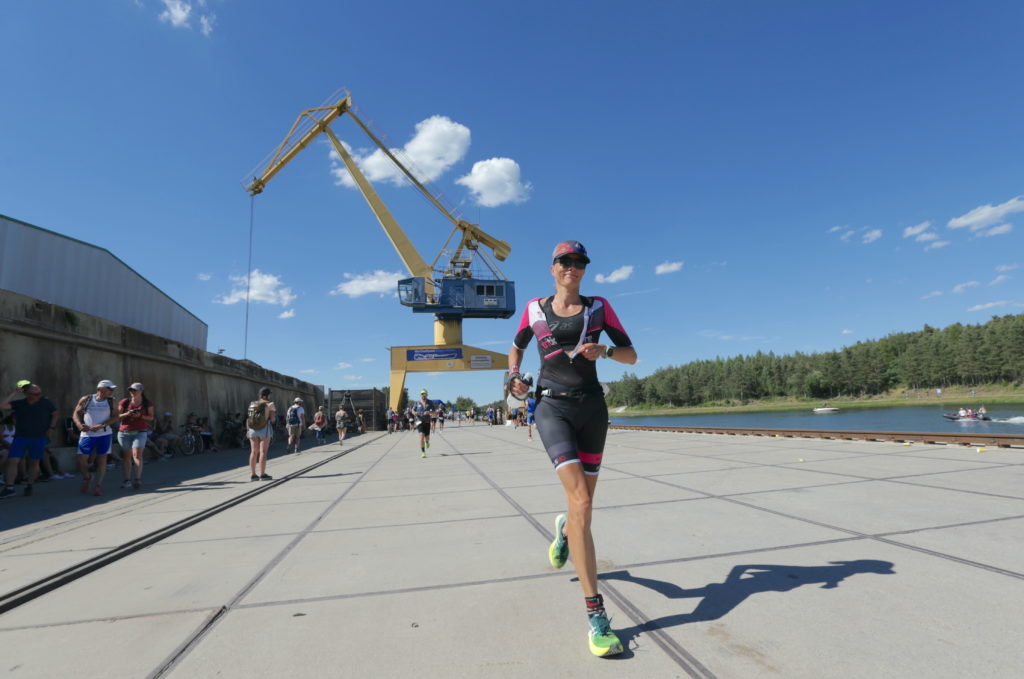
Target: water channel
<point>1008,419</point>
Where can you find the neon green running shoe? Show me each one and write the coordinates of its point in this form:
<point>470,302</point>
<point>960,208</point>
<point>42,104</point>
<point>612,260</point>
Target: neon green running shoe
<point>558,552</point>
<point>603,641</point>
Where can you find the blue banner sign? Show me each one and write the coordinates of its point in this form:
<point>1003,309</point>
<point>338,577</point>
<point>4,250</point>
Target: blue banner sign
<point>433,354</point>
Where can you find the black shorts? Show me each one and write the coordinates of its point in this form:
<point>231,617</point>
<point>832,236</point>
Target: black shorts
<point>423,428</point>
<point>573,430</point>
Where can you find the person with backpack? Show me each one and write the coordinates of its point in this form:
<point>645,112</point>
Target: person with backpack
<point>295,419</point>
<point>259,422</point>
<point>93,416</point>
<point>136,412</point>
<point>341,422</point>
<point>319,424</point>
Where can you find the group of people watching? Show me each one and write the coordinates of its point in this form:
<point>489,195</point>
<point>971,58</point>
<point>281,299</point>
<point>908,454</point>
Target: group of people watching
<point>29,422</point>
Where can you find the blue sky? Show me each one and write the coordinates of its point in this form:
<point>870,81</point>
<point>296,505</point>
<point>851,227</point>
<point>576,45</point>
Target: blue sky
<point>806,174</point>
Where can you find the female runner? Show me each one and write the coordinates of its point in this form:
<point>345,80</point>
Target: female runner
<point>571,414</point>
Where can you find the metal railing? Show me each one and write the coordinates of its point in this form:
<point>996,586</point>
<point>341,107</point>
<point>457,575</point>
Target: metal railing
<point>963,439</point>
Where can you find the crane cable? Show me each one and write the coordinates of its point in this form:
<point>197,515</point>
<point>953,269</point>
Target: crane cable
<point>248,279</point>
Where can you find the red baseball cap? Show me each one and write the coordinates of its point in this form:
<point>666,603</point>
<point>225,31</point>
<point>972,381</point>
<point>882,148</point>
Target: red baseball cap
<point>570,247</point>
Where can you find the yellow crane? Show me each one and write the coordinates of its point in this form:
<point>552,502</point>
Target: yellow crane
<point>450,288</point>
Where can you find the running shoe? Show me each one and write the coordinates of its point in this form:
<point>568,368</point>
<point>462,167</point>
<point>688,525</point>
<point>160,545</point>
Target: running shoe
<point>84,488</point>
<point>603,641</point>
<point>423,453</point>
<point>97,491</point>
<point>558,552</point>
<point>28,489</point>
<point>254,478</point>
<point>137,484</point>
<point>266,477</point>
<point>126,484</point>
<point>8,491</point>
<point>428,443</point>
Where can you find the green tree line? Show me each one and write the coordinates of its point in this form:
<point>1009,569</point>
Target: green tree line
<point>966,355</point>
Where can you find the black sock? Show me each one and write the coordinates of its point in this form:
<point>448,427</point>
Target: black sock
<point>595,605</point>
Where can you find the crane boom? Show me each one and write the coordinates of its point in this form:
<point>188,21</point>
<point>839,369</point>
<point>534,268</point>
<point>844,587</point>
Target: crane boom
<point>472,236</point>
<point>451,292</point>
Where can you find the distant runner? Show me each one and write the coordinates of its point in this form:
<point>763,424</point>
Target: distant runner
<point>424,411</point>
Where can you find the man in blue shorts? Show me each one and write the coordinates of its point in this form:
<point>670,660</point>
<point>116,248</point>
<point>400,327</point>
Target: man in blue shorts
<point>531,407</point>
<point>93,416</point>
<point>35,419</point>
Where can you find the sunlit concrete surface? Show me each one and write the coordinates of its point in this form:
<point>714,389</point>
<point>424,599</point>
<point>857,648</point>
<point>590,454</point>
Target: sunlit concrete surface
<point>720,556</point>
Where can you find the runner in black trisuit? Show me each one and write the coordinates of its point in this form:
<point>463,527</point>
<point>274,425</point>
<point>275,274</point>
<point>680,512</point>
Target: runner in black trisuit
<point>572,418</point>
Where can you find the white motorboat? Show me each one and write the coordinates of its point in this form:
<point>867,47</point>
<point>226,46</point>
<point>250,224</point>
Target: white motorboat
<point>825,410</point>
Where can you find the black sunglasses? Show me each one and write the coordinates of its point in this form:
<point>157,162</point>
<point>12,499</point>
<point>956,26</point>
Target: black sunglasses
<point>566,262</point>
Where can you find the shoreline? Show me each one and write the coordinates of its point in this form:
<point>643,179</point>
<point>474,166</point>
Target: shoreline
<point>947,402</point>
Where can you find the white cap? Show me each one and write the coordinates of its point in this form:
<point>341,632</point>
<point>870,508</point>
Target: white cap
<point>297,400</point>
<point>137,387</point>
<point>106,383</point>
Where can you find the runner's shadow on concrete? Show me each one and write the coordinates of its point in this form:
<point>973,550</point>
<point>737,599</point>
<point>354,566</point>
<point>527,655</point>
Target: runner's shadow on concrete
<point>717,599</point>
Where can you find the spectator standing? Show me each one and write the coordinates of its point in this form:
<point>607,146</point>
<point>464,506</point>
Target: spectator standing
<point>93,416</point>
<point>35,418</point>
<point>341,422</point>
<point>260,430</point>
<point>295,419</point>
<point>319,424</point>
<point>361,420</point>
<point>136,413</point>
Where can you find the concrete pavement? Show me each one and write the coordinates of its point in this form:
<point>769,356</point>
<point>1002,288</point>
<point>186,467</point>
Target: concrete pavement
<point>721,556</point>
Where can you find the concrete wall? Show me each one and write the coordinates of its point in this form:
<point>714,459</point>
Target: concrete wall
<point>68,352</point>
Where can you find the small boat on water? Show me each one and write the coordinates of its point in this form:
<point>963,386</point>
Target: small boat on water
<point>825,410</point>
<point>956,417</point>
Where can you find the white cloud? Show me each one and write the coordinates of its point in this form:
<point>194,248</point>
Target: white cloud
<point>204,276</point>
<point>353,378</point>
<point>999,279</point>
<point>933,293</point>
<point>936,245</point>
<point>846,236</point>
<point>343,366</point>
<point>176,13</point>
<point>957,289</point>
<point>382,282</point>
<point>1002,268</point>
<point>367,360</point>
<point>916,229</point>
<point>638,292</point>
<point>438,143</point>
<point>989,305</point>
<point>872,235</point>
<point>926,236</point>
<point>668,267</point>
<point>617,276</point>
<point>495,182</point>
<point>206,23</point>
<point>986,215</point>
<point>997,230</point>
<point>835,228</point>
<point>847,332</point>
<point>287,314</point>
<point>264,287</point>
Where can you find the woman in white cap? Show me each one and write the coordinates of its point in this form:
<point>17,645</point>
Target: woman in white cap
<point>136,412</point>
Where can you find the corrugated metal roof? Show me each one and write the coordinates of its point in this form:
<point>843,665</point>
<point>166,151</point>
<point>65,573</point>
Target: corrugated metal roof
<point>52,267</point>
